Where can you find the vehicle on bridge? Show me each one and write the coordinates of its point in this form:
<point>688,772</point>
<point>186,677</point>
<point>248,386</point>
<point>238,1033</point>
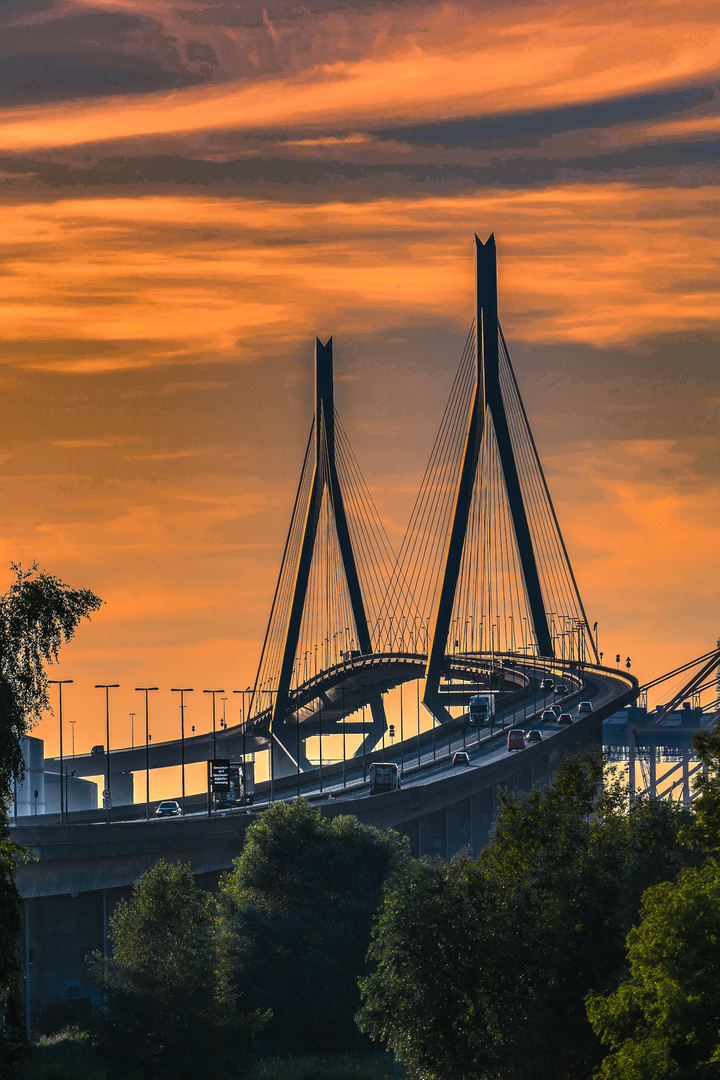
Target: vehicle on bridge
<point>168,808</point>
<point>565,718</point>
<point>461,757</point>
<point>547,684</point>
<point>384,776</point>
<point>482,709</point>
<point>584,707</point>
<point>241,786</point>
<point>516,739</point>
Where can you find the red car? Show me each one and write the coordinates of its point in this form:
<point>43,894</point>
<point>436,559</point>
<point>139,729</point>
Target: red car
<point>516,739</point>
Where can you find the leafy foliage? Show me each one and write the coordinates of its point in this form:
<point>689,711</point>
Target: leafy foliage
<point>483,965</point>
<point>167,1012</point>
<point>298,909</point>
<point>36,615</point>
<point>703,831</point>
<point>663,1023</point>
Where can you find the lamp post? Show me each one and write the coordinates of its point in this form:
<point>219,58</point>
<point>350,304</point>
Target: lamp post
<point>146,690</point>
<point>214,692</point>
<point>107,687</point>
<point>182,691</point>
<point>132,730</point>
<point>60,683</point>
<point>72,729</point>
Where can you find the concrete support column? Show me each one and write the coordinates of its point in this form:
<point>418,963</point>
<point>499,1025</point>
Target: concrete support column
<point>27,968</point>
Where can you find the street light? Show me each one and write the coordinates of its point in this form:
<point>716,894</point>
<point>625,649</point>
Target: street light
<point>132,730</point>
<point>146,690</point>
<point>107,687</point>
<point>60,683</point>
<point>72,728</point>
<point>214,692</point>
<point>182,691</point>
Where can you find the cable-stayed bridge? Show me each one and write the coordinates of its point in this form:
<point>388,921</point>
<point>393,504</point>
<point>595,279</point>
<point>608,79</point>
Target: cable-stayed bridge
<point>480,597</point>
<point>482,572</point>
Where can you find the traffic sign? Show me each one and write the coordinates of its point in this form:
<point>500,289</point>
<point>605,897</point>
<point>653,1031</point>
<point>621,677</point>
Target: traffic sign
<point>107,793</point>
<point>220,774</point>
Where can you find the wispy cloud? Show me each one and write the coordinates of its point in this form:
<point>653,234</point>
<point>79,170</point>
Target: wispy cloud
<point>452,65</point>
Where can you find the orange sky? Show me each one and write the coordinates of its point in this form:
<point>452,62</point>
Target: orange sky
<point>193,191</point>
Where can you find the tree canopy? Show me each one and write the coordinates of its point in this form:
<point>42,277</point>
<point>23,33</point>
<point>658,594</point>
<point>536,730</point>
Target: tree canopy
<point>298,909</point>
<point>168,1011</point>
<point>483,965</point>
<point>663,1023</point>
<point>37,614</point>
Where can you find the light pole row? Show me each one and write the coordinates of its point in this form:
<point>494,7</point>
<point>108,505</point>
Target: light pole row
<point>147,690</point>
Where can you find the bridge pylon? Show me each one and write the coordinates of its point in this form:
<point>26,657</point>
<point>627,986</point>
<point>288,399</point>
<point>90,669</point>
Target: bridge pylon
<point>319,509</point>
<point>495,456</point>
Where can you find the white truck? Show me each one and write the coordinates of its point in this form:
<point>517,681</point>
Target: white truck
<point>384,776</point>
<point>482,709</point>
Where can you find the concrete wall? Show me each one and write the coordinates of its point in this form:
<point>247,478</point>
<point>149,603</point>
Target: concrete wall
<point>79,794</point>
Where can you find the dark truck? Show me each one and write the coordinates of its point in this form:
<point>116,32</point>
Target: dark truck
<point>241,789</point>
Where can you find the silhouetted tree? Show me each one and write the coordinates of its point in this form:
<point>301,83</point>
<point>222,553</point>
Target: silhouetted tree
<point>169,1010</point>
<point>483,965</point>
<point>37,614</point>
<point>298,909</point>
<point>703,830</point>
<point>663,1023</point>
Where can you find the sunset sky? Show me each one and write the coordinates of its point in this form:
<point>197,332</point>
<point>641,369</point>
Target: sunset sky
<point>193,190</point>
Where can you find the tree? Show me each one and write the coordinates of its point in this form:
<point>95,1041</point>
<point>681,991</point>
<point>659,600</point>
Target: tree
<point>168,1011</point>
<point>703,831</point>
<point>424,998</point>
<point>517,937</point>
<point>663,1023</point>
<point>298,908</point>
<point>37,614</point>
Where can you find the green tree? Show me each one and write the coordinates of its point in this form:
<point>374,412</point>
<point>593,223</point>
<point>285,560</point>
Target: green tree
<point>168,1010</point>
<point>426,999</point>
<point>703,831</point>
<point>36,614</point>
<point>298,909</point>
<point>518,937</point>
<point>663,1023</point>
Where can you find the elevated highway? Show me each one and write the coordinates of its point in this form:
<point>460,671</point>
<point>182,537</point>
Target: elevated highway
<point>82,868</point>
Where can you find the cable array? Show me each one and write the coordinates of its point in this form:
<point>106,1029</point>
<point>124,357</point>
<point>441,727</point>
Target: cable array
<point>491,612</point>
<point>407,612</point>
<point>328,632</point>
<point>564,608</point>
